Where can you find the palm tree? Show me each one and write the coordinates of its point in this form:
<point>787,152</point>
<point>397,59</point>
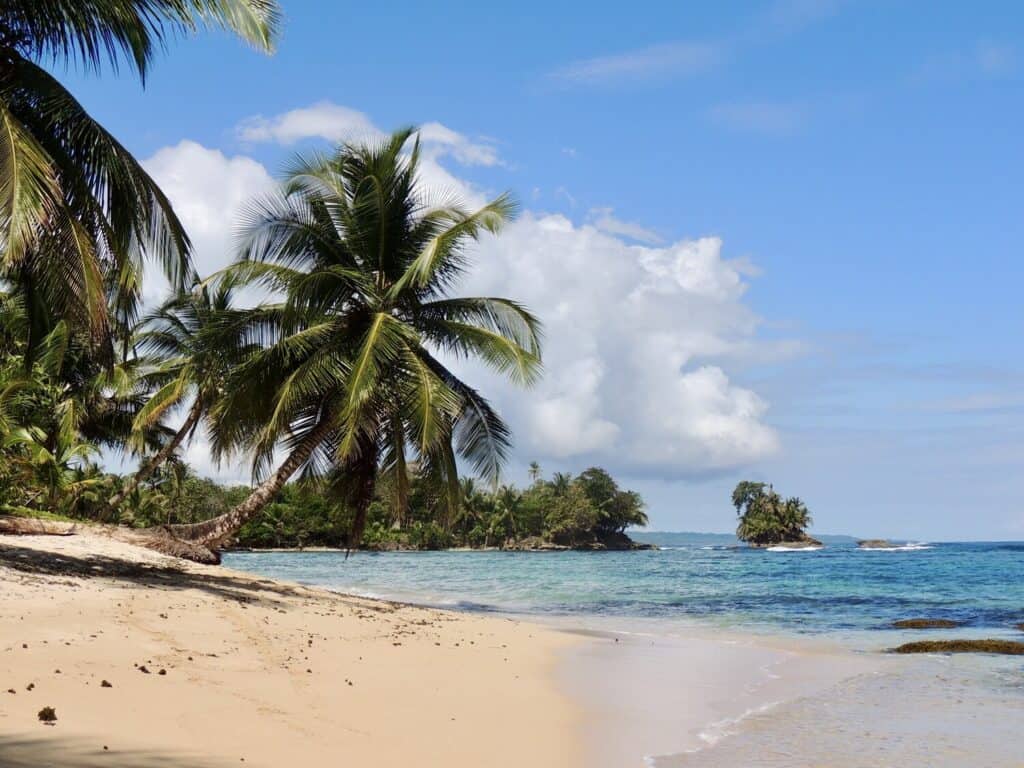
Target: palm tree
<point>508,502</point>
<point>534,472</point>
<point>471,505</point>
<point>351,374</point>
<point>50,432</point>
<point>190,364</point>
<point>766,518</point>
<point>560,483</point>
<point>78,214</point>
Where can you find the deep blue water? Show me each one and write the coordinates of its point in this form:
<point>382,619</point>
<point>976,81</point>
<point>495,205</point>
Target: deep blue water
<point>835,589</point>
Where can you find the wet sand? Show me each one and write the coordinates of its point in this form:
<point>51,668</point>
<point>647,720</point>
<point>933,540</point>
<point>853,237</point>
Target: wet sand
<point>650,696</point>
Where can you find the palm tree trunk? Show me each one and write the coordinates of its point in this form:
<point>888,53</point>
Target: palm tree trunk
<point>214,532</point>
<point>365,468</point>
<point>149,467</point>
<point>401,476</point>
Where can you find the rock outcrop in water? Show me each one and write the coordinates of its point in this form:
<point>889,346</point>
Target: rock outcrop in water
<point>1004,647</point>
<point>803,543</point>
<point>614,542</point>
<point>875,544</point>
<point>926,624</point>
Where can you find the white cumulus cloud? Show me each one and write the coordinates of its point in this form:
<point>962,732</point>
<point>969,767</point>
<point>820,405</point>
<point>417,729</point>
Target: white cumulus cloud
<point>208,190</point>
<point>638,337</point>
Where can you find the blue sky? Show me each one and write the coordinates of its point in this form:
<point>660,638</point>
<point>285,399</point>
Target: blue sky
<point>857,339</point>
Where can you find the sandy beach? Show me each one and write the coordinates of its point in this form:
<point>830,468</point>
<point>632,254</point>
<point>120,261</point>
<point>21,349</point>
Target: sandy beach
<point>209,667</point>
<point>152,662</point>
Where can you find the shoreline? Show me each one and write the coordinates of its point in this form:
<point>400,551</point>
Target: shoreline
<point>270,672</point>
<point>212,667</point>
<point>257,670</point>
<point>664,695</point>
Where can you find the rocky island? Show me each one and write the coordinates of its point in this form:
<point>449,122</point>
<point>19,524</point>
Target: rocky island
<point>767,520</point>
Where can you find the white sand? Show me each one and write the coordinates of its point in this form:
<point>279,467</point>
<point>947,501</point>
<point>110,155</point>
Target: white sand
<point>258,672</point>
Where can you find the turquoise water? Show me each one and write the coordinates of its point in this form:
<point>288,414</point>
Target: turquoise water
<point>836,589</point>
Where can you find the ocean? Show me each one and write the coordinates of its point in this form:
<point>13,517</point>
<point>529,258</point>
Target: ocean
<point>907,711</point>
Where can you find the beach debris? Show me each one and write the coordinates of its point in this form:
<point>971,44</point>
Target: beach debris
<point>105,684</point>
<point>11,690</point>
<point>143,670</point>
<point>1004,647</point>
<point>162,672</point>
<point>30,686</point>
<point>48,715</point>
<point>926,624</point>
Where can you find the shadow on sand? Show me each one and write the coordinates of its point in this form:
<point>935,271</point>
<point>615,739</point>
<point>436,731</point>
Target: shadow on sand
<point>60,752</point>
<point>228,586</point>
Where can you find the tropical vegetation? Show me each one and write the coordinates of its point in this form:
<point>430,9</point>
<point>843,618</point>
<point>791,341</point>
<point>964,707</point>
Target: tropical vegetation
<point>79,215</point>
<point>766,518</point>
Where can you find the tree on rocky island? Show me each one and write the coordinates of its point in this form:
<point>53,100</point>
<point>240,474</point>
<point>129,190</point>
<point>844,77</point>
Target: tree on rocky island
<point>765,518</point>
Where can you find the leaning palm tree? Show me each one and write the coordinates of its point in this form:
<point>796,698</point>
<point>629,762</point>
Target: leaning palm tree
<point>78,214</point>
<point>188,365</point>
<point>355,377</point>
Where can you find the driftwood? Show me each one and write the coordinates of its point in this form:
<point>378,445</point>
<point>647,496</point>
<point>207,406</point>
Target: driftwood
<point>30,526</point>
<point>163,541</point>
<point>160,539</point>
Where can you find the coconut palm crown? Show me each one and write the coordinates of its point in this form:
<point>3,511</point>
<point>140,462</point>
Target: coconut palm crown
<point>353,377</point>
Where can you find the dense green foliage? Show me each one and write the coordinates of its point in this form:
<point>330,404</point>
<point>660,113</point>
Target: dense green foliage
<point>79,215</point>
<point>766,518</point>
<point>589,509</point>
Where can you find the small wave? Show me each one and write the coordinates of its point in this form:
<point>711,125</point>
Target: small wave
<point>793,549</point>
<point>716,731</point>
<point>908,547</point>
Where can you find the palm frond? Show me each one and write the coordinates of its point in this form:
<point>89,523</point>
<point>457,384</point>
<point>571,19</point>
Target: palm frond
<point>441,253</point>
<point>29,192</point>
<point>92,32</point>
<point>109,187</point>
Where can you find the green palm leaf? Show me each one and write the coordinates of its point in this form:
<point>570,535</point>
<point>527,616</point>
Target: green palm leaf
<point>28,188</point>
